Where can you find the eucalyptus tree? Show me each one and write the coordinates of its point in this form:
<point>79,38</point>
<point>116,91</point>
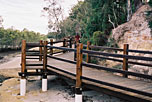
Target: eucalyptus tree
<point>54,12</point>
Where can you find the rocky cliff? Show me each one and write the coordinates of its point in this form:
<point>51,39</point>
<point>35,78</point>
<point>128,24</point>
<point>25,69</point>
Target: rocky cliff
<point>136,32</point>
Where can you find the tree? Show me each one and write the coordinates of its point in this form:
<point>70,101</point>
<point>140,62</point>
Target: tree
<point>1,22</point>
<point>54,14</point>
<point>129,10</point>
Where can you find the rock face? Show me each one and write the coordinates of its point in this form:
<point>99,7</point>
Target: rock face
<point>136,32</point>
<point>138,35</point>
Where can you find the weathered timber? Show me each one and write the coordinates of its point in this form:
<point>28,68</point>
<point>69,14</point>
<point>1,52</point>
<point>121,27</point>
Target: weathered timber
<point>23,59</point>
<point>40,49</point>
<point>125,60</point>
<point>45,56</point>
<point>79,66</point>
<point>88,48</point>
<point>51,44</point>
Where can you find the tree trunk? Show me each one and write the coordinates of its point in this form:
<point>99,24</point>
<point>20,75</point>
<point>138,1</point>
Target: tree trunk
<point>129,10</point>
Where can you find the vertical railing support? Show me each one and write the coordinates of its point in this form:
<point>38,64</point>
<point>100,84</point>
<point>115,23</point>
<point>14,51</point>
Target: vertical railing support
<point>78,89</point>
<point>70,42</point>
<point>51,44</point>
<point>64,44</point>
<point>125,60</point>
<point>40,57</point>
<point>40,50</point>
<point>88,48</point>
<point>75,53</point>
<point>44,79</point>
<point>23,64</point>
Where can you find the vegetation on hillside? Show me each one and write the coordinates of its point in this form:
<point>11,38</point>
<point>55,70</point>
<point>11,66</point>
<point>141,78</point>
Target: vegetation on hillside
<point>90,16</point>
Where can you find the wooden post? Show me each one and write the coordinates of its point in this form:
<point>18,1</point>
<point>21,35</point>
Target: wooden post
<point>70,42</point>
<point>44,77</point>
<point>64,44</point>
<point>75,52</point>
<point>88,48</point>
<point>40,49</point>
<point>45,57</point>
<point>79,66</point>
<point>78,88</point>
<point>23,60</point>
<point>23,68</point>
<point>51,49</point>
<point>125,60</point>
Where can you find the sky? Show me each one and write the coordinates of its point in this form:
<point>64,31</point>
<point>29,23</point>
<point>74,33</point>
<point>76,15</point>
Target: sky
<point>28,14</point>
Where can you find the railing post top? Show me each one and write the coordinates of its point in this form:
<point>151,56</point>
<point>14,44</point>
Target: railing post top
<point>41,41</point>
<point>51,40</point>
<point>81,45</point>
<point>23,41</point>
<point>45,42</point>
<point>126,44</point>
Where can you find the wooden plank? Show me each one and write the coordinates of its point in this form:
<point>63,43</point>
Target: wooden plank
<point>34,67</point>
<point>34,62</point>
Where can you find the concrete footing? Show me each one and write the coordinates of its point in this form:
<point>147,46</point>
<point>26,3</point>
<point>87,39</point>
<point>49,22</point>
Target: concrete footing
<point>22,87</point>
<point>44,84</point>
<point>78,98</point>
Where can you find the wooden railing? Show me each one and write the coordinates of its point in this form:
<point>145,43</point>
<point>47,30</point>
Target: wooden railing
<point>79,64</point>
<point>44,55</point>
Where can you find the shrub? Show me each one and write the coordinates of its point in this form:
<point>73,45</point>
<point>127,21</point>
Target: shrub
<point>99,38</point>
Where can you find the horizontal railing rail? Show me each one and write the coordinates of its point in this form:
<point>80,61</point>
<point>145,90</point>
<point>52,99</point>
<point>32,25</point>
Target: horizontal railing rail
<point>118,55</point>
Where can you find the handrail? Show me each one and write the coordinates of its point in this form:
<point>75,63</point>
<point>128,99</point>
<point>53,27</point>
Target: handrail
<point>103,47</point>
<point>118,55</point>
<point>119,60</point>
<point>63,48</point>
<point>117,70</point>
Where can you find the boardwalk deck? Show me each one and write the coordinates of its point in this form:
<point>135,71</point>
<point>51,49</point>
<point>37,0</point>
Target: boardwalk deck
<point>102,76</point>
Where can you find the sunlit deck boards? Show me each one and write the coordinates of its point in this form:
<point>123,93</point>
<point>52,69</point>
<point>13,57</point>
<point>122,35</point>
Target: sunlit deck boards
<point>102,76</point>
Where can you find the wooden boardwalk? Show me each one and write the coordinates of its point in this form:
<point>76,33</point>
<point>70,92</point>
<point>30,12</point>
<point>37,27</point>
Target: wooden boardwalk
<point>102,79</point>
<point>101,76</point>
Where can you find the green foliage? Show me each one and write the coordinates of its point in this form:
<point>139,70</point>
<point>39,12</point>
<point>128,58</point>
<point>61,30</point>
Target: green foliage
<point>89,16</point>
<point>10,37</point>
<point>99,38</point>
<point>149,15</point>
<point>150,3</point>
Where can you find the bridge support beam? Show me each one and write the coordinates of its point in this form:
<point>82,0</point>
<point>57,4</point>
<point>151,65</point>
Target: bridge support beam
<point>22,87</point>
<point>78,95</point>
